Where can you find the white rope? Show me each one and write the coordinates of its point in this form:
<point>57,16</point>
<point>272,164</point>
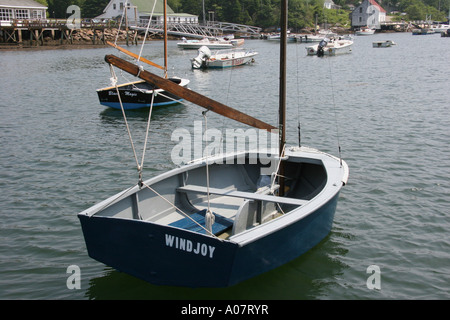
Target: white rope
<point>146,31</point>
<point>148,129</point>
<point>275,173</point>
<point>114,77</point>
<point>121,20</point>
<point>209,216</point>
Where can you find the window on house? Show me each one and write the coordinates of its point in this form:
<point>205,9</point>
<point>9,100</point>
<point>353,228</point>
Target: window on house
<point>360,9</point>
<point>5,14</point>
<point>121,6</point>
<point>37,14</point>
<point>22,14</point>
<point>114,6</point>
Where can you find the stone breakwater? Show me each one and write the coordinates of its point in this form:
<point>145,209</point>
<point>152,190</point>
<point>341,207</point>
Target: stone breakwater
<point>54,37</point>
<point>81,36</point>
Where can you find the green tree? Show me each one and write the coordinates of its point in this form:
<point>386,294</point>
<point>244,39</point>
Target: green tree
<point>93,8</point>
<point>58,8</point>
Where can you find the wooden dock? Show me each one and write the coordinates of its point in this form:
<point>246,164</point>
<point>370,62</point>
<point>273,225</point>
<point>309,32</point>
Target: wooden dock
<point>33,33</point>
<point>57,32</point>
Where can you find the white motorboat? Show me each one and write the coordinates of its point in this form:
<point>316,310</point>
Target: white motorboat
<point>330,47</point>
<point>311,38</point>
<point>440,28</point>
<point>222,58</point>
<point>365,31</point>
<point>212,44</point>
<point>383,44</point>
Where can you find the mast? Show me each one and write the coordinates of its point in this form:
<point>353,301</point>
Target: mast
<point>165,39</point>
<point>282,106</point>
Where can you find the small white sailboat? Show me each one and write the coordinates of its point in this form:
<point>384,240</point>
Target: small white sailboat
<point>219,220</point>
<point>222,58</point>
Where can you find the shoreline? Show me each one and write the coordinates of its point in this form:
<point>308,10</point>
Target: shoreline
<point>50,47</point>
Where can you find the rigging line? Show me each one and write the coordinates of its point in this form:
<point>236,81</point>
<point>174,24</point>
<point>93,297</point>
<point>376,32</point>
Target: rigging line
<point>124,116</point>
<point>146,30</point>
<point>115,198</point>
<point>209,216</point>
<point>147,130</point>
<point>176,208</point>
<point>335,112</point>
<point>275,173</point>
<point>206,159</point>
<point>298,95</point>
<point>121,20</point>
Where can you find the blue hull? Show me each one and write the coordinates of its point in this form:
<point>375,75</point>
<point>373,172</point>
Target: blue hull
<point>137,95</point>
<point>134,106</point>
<point>165,255</point>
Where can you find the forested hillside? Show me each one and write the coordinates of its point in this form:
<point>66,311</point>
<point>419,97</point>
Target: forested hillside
<point>265,13</point>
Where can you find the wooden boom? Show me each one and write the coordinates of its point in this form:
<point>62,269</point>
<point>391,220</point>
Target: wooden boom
<point>187,94</point>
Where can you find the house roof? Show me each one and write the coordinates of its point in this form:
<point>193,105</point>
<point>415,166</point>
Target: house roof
<point>146,6</point>
<point>374,3</point>
<point>21,4</point>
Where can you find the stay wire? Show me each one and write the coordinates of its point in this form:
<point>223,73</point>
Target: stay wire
<point>335,111</point>
<point>298,96</point>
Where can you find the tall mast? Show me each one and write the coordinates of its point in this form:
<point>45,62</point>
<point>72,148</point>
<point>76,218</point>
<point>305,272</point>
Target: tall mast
<point>282,106</point>
<point>165,39</point>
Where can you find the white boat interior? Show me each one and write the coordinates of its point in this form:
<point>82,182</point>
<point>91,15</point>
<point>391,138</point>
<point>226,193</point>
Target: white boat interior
<point>240,197</point>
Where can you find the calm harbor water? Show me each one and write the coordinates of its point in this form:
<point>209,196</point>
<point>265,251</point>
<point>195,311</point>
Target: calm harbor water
<point>387,108</point>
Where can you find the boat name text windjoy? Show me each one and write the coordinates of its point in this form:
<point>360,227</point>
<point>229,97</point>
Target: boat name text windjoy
<point>188,246</point>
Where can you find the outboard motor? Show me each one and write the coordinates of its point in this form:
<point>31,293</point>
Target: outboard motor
<point>320,47</point>
<point>203,55</point>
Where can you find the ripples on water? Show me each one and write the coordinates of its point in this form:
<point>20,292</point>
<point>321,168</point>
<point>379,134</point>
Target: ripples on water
<point>62,152</point>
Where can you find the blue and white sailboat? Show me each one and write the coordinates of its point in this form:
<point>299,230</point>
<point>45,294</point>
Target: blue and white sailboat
<point>217,221</point>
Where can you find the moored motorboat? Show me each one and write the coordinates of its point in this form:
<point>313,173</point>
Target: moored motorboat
<point>383,44</point>
<point>330,47</point>
<point>365,31</point>
<point>222,58</point>
<point>217,43</point>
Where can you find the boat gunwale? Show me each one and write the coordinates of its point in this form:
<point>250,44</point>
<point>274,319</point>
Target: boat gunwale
<point>184,82</point>
<point>328,192</point>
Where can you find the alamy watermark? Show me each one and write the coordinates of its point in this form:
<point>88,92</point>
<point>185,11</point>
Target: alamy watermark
<point>74,280</point>
<point>374,280</point>
<point>214,143</point>
<point>74,21</point>
<point>373,21</point>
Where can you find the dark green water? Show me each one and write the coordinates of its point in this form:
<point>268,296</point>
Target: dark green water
<point>62,152</point>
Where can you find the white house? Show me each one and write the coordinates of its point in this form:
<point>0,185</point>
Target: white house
<point>369,13</point>
<point>329,4</point>
<point>21,10</point>
<point>139,11</point>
